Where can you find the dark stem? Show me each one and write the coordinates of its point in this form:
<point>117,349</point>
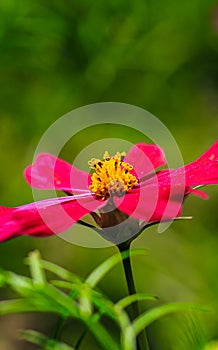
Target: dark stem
<point>60,323</point>
<point>58,330</point>
<point>58,327</point>
<point>142,342</point>
<point>79,341</point>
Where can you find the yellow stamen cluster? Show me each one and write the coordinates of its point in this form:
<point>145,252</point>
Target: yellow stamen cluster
<point>112,176</point>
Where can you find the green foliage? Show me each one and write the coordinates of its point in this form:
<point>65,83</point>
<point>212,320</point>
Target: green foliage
<point>150,316</point>
<point>83,302</point>
<point>101,270</point>
<point>44,342</point>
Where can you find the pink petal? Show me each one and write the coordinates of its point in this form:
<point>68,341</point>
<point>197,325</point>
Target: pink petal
<point>7,226</point>
<point>160,197</point>
<point>204,170</point>
<point>50,172</point>
<point>153,203</point>
<point>46,217</point>
<point>134,205</point>
<point>145,158</point>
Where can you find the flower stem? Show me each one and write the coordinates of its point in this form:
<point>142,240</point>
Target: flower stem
<point>142,342</point>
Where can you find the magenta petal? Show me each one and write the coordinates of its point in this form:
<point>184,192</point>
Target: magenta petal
<point>7,226</point>
<point>151,204</point>
<point>176,181</point>
<point>46,217</point>
<point>50,172</point>
<point>204,170</point>
<point>145,158</point>
<point>140,203</point>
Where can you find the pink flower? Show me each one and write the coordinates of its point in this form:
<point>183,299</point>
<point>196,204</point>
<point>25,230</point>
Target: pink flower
<point>123,189</point>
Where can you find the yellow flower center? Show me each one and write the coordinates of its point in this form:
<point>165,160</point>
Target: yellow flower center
<point>112,176</point>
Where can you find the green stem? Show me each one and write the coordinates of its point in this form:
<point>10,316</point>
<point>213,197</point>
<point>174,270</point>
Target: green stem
<point>142,342</point>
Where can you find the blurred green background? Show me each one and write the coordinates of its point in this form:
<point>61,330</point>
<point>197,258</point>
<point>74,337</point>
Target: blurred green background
<point>58,55</point>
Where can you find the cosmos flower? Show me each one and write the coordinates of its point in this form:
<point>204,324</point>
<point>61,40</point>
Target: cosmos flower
<point>125,192</point>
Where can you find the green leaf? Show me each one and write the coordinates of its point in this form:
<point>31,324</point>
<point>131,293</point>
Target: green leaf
<point>104,305</point>
<point>60,271</point>
<point>102,335</point>
<point>123,303</point>
<point>54,299</point>
<point>20,284</point>
<point>41,340</point>
<point>114,311</point>
<point>37,273</point>
<point>67,285</point>
<point>85,304</point>
<point>15,306</point>
<point>128,339</point>
<point>97,274</point>
<point>152,315</point>
<point>128,336</point>
<point>47,297</point>
<point>59,300</point>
